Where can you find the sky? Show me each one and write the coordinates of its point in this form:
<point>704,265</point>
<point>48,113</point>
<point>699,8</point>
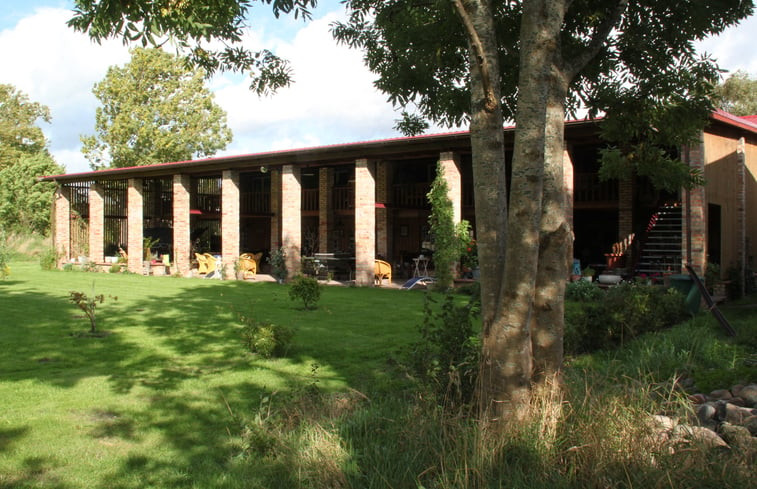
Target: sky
<point>332,100</point>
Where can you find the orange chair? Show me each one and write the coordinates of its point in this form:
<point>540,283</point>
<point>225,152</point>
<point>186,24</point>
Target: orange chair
<point>382,270</point>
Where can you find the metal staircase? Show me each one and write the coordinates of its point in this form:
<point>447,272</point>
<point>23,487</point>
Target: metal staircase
<point>662,250</point>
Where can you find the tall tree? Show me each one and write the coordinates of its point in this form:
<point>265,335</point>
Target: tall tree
<point>19,133</point>
<point>532,61</point>
<point>472,60</point>
<point>25,201</point>
<point>154,109</point>
<point>738,94</point>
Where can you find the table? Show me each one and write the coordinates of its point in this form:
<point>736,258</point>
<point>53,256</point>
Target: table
<point>421,266</point>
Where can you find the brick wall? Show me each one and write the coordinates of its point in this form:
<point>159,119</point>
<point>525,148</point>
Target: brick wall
<point>62,224</point>
<point>275,209</point>
<point>181,239</point>
<point>325,211</point>
<point>451,170</point>
<point>694,212</point>
<point>135,224</point>
<point>96,223</point>
<point>569,185</point>
<point>365,222</point>
<point>291,217</point>
<point>383,226</point>
<point>741,206</point>
<point>230,219</point>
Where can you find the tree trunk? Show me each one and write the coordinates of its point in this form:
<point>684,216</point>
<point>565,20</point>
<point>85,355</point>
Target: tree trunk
<point>507,356</point>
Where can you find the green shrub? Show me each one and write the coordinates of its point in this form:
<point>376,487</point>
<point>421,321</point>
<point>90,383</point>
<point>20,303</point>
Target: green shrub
<point>583,291</point>
<point>266,339</point>
<point>612,317</point>
<point>48,260</point>
<point>277,259</point>
<point>445,359</point>
<point>115,268</point>
<point>5,257</point>
<point>306,289</point>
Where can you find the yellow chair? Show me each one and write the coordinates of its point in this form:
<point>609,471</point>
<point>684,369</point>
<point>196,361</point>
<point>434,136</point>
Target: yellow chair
<point>202,264</point>
<point>248,263</point>
<point>211,260</point>
<point>382,270</point>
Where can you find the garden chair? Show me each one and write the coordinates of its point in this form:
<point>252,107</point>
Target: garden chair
<point>203,267</point>
<point>248,263</point>
<point>382,270</point>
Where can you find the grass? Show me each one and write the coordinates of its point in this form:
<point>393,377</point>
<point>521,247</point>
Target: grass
<point>170,399</point>
<point>158,401</point>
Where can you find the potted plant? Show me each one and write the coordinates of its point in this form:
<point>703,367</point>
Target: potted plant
<point>588,274</point>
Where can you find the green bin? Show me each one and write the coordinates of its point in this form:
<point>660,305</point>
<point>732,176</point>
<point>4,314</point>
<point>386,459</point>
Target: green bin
<point>686,286</point>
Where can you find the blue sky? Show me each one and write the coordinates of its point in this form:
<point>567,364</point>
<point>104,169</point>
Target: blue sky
<point>332,100</point>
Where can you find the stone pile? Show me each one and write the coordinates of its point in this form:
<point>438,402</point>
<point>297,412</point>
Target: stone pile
<point>724,418</point>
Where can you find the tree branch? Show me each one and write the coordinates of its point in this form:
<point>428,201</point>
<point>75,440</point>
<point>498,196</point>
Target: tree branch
<point>597,41</point>
<point>478,48</point>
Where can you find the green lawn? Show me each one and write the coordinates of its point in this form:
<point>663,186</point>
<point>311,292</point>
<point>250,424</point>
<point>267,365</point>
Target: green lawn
<point>159,401</point>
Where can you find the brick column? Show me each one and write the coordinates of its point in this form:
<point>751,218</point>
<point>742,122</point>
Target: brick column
<point>325,210</point>
<point>450,165</point>
<point>96,223</point>
<point>135,224</point>
<point>383,229</point>
<point>62,224</point>
<point>291,217</point>
<point>569,185</point>
<point>230,219</point>
<point>275,209</point>
<point>694,244</point>
<point>741,206</point>
<point>182,245</point>
<point>365,222</point>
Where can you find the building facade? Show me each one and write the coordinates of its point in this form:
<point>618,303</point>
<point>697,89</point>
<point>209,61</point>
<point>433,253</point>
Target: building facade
<point>364,201</point>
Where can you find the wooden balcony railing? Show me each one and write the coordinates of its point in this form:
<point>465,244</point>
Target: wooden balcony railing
<point>255,203</point>
<point>310,199</point>
<point>588,188</point>
<point>410,195</point>
<point>344,198</point>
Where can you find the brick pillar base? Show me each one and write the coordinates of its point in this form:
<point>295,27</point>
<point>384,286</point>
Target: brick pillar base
<point>182,245</point>
<point>62,225</point>
<point>365,223</point>
<point>135,225</point>
<point>291,217</point>
<point>230,220</point>
<point>96,223</point>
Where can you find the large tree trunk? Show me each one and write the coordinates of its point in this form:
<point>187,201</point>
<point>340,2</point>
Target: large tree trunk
<point>507,363</point>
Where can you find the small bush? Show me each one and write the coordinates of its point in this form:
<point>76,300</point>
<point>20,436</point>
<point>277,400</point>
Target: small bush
<point>446,357</point>
<point>583,291</point>
<point>115,268</point>
<point>48,260</point>
<point>306,289</point>
<point>5,256</point>
<point>265,339</point>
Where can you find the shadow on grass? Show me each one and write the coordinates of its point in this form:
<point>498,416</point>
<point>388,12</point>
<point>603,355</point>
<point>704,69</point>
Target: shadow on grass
<point>178,351</point>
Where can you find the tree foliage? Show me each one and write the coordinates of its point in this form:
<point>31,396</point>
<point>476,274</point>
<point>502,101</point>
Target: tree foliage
<point>24,201</point>
<point>154,109</point>
<point>19,133</point>
<point>738,94</point>
<point>192,26</point>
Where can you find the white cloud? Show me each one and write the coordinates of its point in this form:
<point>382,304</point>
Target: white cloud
<point>56,66</point>
<point>734,49</point>
<point>332,99</point>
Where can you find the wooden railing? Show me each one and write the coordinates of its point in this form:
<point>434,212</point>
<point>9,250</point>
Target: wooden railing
<point>255,203</point>
<point>310,199</point>
<point>344,198</point>
<point>410,195</point>
<point>588,188</point>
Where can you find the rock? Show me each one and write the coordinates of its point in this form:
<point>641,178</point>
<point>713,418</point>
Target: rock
<point>738,437</point>
<point>706,412</point>
<point>749,394</point>
<point>751,424</point>
<point>737,401</point>
<point>737,415</point>
<point>736,389</point>
<point>720,395</point>
<point>699,435</point>
<point>698,398</point>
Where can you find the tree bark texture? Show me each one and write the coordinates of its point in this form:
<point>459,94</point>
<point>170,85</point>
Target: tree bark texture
<point>507,363</point>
